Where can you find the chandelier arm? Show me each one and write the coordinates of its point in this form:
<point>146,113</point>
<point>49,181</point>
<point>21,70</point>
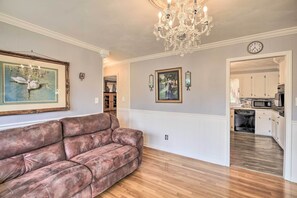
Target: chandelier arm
<point>182,24</point>
<point>160,35</point>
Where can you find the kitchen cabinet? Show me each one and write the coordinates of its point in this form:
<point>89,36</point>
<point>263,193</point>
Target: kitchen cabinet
<point>232,120</point>
<point>257,85</point>
<point>278,129</point>
<point>282,132</point>
<point>110,102</point>
<point>263,124</point>
<point>271,84</point>
<point>245,86</point>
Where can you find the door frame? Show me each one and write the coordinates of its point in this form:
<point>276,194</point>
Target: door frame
<point>287,165</point>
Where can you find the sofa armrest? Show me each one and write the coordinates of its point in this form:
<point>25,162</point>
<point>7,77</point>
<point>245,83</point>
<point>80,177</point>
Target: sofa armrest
<point>130,137</point>
<point>126,136</point>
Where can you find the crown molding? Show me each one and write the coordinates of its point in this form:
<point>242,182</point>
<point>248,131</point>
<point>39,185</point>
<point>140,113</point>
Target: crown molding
<point>223,43</point>
<point>52,34</point>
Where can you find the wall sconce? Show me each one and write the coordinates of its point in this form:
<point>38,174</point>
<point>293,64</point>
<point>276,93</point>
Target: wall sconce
<point>82,76</point>
<point>188,80</point>
<point>151,82</point>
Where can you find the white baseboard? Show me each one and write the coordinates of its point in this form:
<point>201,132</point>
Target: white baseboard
<point>197,136</point>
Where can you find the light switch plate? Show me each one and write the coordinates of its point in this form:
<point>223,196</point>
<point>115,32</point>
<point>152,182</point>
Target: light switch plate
<point>96,100</point>
<point>296,102</point>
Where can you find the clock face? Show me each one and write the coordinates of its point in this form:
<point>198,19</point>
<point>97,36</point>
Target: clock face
<point>255,47</point>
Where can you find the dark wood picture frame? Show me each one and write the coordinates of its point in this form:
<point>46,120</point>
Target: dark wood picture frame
<point>62,82</point>
<point>169,85</point>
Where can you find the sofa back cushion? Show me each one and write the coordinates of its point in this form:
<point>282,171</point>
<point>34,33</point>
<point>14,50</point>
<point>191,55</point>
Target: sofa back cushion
<point>79,144</point>
<point>29,148</point>
<point>85,124</point>
<point>82,134</point>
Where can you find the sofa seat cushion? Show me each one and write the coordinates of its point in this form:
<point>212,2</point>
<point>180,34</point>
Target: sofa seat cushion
<point>106,159</point>
<point>60,179</point>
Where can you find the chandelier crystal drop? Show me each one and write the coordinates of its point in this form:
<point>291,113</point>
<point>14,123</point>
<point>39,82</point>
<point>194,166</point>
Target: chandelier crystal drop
<point>182,24</point>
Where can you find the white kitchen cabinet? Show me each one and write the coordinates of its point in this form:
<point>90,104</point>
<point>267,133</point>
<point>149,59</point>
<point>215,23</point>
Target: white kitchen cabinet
<point>282,131</point>
<point>279,129</point>
<point>259,85</point>
<point>271,84</point>
<point>245,86</point>
<point>232,120</point>
<point>263,124</point>
<point>273,125</point>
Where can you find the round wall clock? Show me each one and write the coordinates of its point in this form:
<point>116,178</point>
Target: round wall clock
<point>255,47</point>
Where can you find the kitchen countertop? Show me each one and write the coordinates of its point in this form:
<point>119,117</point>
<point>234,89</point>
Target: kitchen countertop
<point>256,109</point>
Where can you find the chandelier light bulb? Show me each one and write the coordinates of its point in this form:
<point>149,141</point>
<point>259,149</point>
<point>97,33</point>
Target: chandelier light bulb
<point>170,23</point>
<point>205,9</point>
<point>160,15</point>
<point>168,4</point>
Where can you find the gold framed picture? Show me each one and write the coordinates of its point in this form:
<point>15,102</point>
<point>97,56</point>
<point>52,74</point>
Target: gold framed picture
<point>169,85</point>
<point>31,84</point>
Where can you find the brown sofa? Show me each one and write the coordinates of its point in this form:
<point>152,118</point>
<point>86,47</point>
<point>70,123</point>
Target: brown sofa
<point>75,157</point>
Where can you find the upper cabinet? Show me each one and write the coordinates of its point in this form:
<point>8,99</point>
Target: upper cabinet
<point>271,84</point>
<point>245,86</point>
<point>257,85</point>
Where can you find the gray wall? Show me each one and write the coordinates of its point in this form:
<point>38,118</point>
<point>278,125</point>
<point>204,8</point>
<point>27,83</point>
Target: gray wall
<point>82,93</point>
<point>208,67</point>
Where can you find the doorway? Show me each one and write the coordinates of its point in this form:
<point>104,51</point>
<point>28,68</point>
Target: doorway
<point>110,95</point>
<point>255,137</point>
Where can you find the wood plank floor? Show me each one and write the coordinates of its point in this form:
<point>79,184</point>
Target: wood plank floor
<point>259,153</point>
<point>165,175</point>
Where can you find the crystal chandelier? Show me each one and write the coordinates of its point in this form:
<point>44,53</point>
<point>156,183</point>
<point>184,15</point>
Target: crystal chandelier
<point>181,24</point>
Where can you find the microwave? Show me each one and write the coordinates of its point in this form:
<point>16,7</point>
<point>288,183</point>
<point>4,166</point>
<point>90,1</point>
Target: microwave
<point>261,104</point>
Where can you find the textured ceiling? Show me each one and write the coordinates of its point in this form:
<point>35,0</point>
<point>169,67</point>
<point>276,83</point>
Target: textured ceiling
<point>125,27</point>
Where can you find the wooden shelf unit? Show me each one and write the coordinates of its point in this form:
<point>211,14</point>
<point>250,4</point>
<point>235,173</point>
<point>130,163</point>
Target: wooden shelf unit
<point>110,101</point>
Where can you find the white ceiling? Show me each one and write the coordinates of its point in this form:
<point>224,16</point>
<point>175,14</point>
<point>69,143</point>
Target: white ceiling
<point>125,27</point>
<point>256,65</point>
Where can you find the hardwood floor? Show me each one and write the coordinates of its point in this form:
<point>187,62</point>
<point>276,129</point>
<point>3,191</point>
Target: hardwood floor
<point>259,153</point>
<point>165,175</point>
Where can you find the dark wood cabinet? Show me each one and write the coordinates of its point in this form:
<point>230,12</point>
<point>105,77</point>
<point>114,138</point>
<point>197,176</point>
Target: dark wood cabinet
<point>110,102</point>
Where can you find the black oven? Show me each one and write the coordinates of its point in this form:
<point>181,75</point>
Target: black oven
<point>244,120</point>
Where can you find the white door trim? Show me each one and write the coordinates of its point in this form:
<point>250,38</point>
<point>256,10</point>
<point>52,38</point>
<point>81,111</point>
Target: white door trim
<point>288,106</point>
